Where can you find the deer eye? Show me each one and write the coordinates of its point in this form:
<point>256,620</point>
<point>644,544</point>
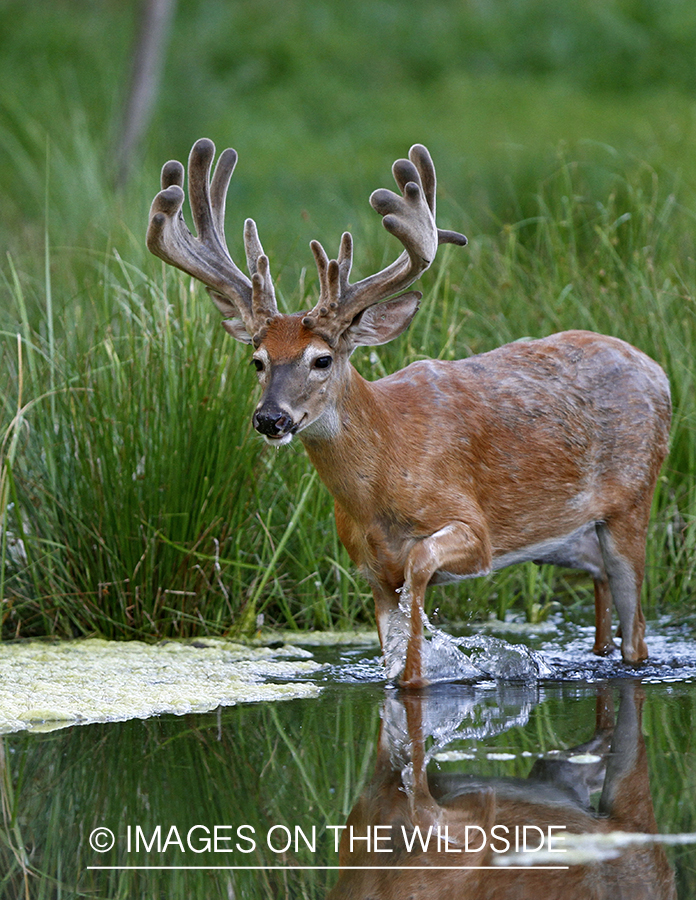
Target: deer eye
<point>322,362</point>
<point>258,365</point>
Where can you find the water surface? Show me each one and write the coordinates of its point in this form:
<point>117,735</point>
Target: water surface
<point>252,801</point>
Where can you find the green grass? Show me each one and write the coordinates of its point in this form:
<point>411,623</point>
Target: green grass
<point>134,497</point>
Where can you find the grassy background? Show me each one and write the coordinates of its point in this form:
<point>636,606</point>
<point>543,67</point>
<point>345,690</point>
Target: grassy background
<point>133,497</point>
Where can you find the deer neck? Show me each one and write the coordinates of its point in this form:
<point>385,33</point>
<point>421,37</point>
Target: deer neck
<point>346,445</point>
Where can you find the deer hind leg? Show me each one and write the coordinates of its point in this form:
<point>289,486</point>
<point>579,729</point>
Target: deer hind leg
<point>622,541</point>
<point>586,553</point>
<point>454,552</point>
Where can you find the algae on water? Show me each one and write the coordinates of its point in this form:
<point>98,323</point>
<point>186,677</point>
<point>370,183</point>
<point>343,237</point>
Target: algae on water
<point>50,685</point>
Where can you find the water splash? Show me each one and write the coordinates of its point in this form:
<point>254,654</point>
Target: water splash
<point>672,650</point>
<point>481,656</point>
<point>468,659</point>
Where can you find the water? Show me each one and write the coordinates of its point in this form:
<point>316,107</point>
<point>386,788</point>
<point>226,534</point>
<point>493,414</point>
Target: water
<point>249,801</point>
<point>446,658</point>
<point>555,650</point>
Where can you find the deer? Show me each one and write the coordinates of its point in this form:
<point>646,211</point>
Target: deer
<point>546,450</point>
<point>450,834</point>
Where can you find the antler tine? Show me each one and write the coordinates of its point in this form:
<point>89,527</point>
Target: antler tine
<point>206,256</point>
<point>322,262</point>
<point>219,184</point>
<point>410,217</point>
<point>263,301</point>
<point>333,279</point>
<point>420,159</point>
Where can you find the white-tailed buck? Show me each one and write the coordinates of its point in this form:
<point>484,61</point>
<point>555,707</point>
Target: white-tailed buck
<point>544,450</point>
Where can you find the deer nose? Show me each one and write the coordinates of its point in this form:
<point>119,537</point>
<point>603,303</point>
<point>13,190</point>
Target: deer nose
<point>272,422</point>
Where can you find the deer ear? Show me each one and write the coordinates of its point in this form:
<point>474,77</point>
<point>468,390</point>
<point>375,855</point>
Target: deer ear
<point>225,306</point>
<point>237,329</point>
<point>383,322</point>
<point>232,324</point>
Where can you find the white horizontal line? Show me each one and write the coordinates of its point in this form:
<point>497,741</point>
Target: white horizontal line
<point>333,868</point>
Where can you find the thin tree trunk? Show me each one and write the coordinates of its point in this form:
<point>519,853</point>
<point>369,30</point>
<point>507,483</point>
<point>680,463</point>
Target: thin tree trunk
<point>148,61</point>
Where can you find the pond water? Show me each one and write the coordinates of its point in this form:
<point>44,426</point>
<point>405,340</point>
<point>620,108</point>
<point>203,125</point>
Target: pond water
<point>578,784</point>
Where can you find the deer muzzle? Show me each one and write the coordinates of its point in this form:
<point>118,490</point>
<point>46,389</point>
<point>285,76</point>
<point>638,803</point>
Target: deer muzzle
<point>272,422</point>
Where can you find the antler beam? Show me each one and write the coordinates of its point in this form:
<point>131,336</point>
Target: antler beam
<point>410,217</point>
<point>206,256</point>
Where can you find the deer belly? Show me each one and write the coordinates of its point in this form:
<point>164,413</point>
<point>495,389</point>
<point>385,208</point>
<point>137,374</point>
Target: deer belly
<point>579,549</point>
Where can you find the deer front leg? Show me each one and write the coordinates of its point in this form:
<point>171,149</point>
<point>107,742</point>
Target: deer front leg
<point>455,550</point>
<point>603,645</point>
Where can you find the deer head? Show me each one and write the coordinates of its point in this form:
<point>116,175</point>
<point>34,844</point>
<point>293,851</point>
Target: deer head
<point>301,358</point>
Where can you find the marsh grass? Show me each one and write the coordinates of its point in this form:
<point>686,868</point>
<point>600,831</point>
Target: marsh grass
<point>136,499</point>
<point>131,491</point>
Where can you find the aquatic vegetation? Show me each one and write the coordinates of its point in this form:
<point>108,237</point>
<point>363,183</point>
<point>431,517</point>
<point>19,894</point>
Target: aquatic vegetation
<point>48,685</point>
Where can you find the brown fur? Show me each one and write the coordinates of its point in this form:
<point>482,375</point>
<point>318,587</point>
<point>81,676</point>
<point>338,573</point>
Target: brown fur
<point>286,337</point>
<point>509,449</point>
<point>546,450</point>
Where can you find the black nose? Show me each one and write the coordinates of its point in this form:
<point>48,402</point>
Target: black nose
<point>272,422</point>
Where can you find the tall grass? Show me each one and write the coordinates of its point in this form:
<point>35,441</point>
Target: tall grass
<point>136,500</point>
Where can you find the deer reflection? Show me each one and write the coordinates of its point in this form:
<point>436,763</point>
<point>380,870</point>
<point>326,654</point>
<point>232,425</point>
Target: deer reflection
<point>418,821</point>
